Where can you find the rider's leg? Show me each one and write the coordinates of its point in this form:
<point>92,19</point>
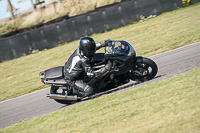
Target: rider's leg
<point>85,89</point>
<point>82,88</point>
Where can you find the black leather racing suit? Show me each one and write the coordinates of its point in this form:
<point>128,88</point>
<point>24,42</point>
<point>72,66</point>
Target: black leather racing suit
<point>76,66</point>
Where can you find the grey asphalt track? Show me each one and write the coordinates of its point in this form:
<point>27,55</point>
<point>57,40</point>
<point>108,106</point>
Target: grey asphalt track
<point>169,63</point>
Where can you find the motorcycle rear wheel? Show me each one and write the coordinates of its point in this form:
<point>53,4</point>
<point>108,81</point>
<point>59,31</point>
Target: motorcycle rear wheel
<point>57,90</point>
<point>143,71</point>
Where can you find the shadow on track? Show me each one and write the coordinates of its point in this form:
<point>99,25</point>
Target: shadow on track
<point>109,91</point>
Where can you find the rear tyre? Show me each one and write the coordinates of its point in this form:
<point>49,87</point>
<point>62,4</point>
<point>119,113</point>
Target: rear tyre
<point>143,71</point>
<point>57,90</point>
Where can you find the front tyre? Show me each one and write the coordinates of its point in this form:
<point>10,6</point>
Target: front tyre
<point>143,71</point>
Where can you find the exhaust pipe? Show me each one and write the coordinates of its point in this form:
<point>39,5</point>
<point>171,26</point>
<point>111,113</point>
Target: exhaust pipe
<point>62,97</point>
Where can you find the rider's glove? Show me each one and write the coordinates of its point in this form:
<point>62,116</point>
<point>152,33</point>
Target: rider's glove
<point>103,44</point>
<point>108,66</point>
<point>90,73</point>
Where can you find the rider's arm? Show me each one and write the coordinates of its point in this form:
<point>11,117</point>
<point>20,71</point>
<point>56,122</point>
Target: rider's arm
<point>104,69</point>
<point>101,44</point>
<point>88,69</point>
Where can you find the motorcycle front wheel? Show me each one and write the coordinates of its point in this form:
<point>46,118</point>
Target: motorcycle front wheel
<point>143,71</point>
<point>57,90</point>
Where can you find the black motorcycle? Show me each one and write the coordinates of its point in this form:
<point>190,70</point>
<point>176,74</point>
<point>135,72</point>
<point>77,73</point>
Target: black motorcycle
<point>125,66</point>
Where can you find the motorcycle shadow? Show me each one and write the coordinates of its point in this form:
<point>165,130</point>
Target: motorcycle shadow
<point>111,90</point>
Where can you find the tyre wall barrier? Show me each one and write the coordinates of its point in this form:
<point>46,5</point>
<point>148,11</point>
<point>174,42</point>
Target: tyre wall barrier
<point>22,30</point>
<point>100,20</point>
<point>15,46</point>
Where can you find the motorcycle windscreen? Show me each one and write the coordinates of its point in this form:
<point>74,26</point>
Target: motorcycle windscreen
<point>117,49</point>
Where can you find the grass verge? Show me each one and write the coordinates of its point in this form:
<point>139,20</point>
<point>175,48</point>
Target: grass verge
<point>166,106</point>
<point>165,32</point>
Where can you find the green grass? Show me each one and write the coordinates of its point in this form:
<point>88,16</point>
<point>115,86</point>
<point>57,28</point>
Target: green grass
<point>168,106</point>
<point>165,32</point>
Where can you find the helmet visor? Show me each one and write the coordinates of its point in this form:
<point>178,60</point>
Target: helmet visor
<point>88,53</point>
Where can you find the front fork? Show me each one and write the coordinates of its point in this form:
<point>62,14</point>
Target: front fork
<point>134,68</point>
<point>138,59</point>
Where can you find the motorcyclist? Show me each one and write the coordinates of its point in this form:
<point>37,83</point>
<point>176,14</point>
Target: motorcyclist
<point>79,64</point>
